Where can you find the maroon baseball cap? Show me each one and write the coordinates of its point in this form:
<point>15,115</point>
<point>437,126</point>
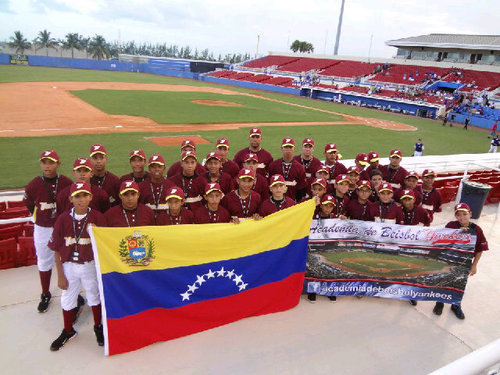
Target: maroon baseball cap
<point>129,186</point>
<point>407,193</point>
<point>331,147</point>
<point>212,186</point>
<point>328,198</point>
<point>396,152</point>
<point>364,183</point>
<point>138,153</point>
<point>428,172</point>
<point>324,168</point>
<point>51,155</point>
<point>308,141</point>
<point>342,178</point>
<point>385,186</point>
<point>79,187</point>
<point>276,179</point>
<point>97,149</point>
<point>255,132</point>
<point>213,155</point>
<point>222,142</point>
<point>82,163</point>
<point>245,172</point>
<point>288,142</point>
<point>187,154</point>
<point>251,156</point>
<point>319,181</point>
<point>156,159</point>
<point>362,158</point>
<point>412,174</point>
<point>462,207</point>
<point>188,142</point>
<point>175,192</point>
<point>353,169</point>
<point>373,156</point>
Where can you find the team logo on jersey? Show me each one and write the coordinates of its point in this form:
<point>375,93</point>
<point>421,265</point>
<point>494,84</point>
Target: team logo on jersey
<point>137,249</point>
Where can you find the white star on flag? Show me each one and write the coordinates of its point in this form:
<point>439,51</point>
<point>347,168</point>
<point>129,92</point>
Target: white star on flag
<point>242,286</point>
<point>199,279</point>
<point>230,274</point>
<point>210,274</point>
<point>185,296</point>
<point>192,288</point>
<point>237,279</point>
<point>221,272</point>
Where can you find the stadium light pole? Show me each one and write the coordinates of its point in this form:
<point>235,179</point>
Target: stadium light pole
<point>339,28</point>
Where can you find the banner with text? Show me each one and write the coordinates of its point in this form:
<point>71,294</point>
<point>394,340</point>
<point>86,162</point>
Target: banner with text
<point>361,258</point>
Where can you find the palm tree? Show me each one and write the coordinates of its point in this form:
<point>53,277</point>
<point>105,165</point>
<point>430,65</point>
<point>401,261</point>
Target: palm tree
<point>98,48</point>
<point>43,40</point>
<point>72,42</point>
<point>85,42</point>
<point>19,42</point>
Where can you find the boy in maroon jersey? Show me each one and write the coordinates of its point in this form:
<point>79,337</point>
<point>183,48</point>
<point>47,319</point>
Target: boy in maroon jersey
<point>359,208</point>
<point>373,161</point>
<point>463,215</point>
<point>412,213</point>
<point>310,163</point>
<point>341,188</point>
<point>176,168</point>
<point>332,161</point>
<point>130,213</point>
<point>214,173</point>
<point>394,173</point>
<point>277,201</point>
<point>103,178</point>
<point>243,202</point>
<point>251,161</point>
<point>83,172</point>
<point>327,208</point>
<point>324,173</point>
<point>386,210</point>
<point>75,261</point>
<point>190,181</point>
<point>176,213</point>
<point>376,179</point>
<point>361,162</point>
<point>411,182</point>
<point>40,197</point>
<point>152,192</point>
<point>137,159</point>
<point>265,157</point>
<point>227,165</point>
<point>212,211</point>
<point>317,189</point>
<point>291,170</point>
<point>431,197</point>
<point>354,175</point>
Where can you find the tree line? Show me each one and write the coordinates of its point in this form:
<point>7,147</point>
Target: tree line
<point>98,48</point>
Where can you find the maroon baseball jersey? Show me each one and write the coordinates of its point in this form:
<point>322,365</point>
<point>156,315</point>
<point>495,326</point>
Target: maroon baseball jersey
<point>336,169</point>
<point>230,167</point>
<point>117,216</point>
<point>364,175</point>
<point>99,202</point>
<point>329,187</point>
<point>260,186</point>
<point>342,203</point>
<point>294,174</point>
<point>153,194</point>
<point>176,168</point>
<point>358,211</point>
<point>184,217</point>
<point>418,196</point>
<point>373,196</point>
<point>431,200</point>
<point>110,183</point>
<point>225,181</point>
<point>41,195</point>
<point>386,212</point>
<point>130,177</point>
<point>71,238</point>
<point>193,188</point>
<point>264,156</point>
<point>310,166</point>
<point>416,216</point>
<point>270,206</point>
<point>474,229</point>
<point>241,207</point>
<point>396,177</point>
<point>205,216</point>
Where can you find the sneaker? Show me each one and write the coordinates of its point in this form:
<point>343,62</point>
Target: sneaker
<point>457,309</point>
<point>44,302</point>
<point>413,302</point>
<point>332,298</point>
<point>99,335</point>
<point>311,297</point>
<point>63,338</point>
<point>438,309</point>
<point>78,309</point>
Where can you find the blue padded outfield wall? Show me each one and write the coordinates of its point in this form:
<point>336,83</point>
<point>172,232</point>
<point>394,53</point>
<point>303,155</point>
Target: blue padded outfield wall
<point>66,62</point>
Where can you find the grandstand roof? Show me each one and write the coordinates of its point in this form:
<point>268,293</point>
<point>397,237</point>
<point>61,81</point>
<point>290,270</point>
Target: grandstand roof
<point>458,41</point>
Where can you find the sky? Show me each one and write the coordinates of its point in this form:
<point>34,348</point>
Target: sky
<point>236,26</point>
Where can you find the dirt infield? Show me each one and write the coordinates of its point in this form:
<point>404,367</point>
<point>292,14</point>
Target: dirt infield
<point>48,108</point>
<point>177,140</point>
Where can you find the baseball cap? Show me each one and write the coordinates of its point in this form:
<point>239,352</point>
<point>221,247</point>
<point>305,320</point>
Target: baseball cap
<point>308,141</point>
<point>319,181</point>
<point>412,174</point>
<point>213,155</point>
<point>212,186</point>
<point>328,198</point>
<point>385,186</point>
<point>330,147</point>
<point>97,149</point>
<point>138,153</point>
<point>407,193</point>
<point>222,142</point>
<point>353,169</point>
<point>82,162</point>
<point>188,142</point>
<point>255,132</point>
<point>287,142</point>
<point>373,156</point>
<point>462,207</point>
<point>251,156</point>
<point>156,159</point>
<point>129,186</point>
<point>323,168</point>
<point>396,152</point>
<point>245,172</point>
<point>362,158</point>
<point>175,192</point>
<point>79,187</point>
<point>364,183</point>
<point>342,178</point>
<point>187,154</point>
<point>51,155</point>
<point>276,179</point>
<point>428,172</point>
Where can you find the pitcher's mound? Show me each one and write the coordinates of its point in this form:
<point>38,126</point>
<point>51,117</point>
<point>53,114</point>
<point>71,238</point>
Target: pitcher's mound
<point>177,140</point>
<point>217,103</point>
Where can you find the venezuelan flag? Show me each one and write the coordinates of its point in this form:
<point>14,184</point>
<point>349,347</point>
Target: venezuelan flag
<point>160,283</point>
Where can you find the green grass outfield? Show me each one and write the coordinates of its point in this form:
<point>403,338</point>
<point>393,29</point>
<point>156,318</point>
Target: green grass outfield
<point>23,152</point>
<point>365,263</point>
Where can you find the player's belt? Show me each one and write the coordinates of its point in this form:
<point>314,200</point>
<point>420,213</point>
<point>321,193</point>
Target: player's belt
<point>308,175</point>
<point>379,220</point>
<point>397,186</point>
<point>261,165</point>
<point>290,183</point>
<point>193,199</point>
<point>163,206</point>
<point>47,206</point>
<point>428,207</point>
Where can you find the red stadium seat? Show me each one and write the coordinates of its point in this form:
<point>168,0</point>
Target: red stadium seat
<point>26,254</point>
<point>14,212</point>
<point>3,206</point>
<point>12,204</point>
<point>8,253</point>
<point>28,229</point>
<point>11,232</point>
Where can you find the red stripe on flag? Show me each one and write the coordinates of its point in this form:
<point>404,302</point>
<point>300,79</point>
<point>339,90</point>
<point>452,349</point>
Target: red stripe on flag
<point>148,327</point>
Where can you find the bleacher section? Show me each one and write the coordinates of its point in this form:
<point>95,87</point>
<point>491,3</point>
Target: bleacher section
<point>269,61</point>
<point>476,80</point>
<point>306,64</point>
<point>409,74</point>
<point>349,69</point>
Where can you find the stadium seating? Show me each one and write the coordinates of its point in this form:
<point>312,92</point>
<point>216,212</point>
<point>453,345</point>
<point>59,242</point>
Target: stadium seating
<point>478,80</point>
<point>13,231</point>
<point>408,74</point>
<point>8,253</point>
<point>271,60</point>
<point>307,64</point>
<point>25,254</point>
<point>349,69</point>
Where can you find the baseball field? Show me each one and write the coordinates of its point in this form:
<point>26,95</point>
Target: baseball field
<point>69,110</point>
